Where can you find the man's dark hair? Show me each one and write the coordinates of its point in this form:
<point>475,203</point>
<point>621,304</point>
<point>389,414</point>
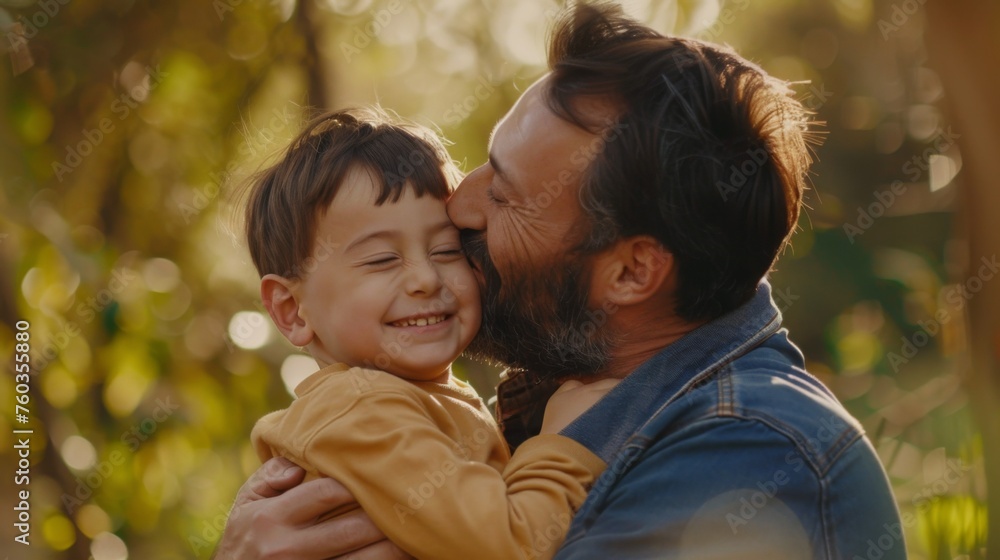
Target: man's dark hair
<point>708,153</point>
<point>287,199</point>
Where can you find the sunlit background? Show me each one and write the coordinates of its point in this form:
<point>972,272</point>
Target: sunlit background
<point>126,125</point>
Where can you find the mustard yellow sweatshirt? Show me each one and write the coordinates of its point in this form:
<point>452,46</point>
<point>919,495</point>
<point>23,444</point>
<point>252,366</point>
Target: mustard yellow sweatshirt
<point>428,464</point>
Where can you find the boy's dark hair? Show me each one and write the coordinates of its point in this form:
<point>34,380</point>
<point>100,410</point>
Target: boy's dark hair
<point>287,199</point>
<point>708,155</point>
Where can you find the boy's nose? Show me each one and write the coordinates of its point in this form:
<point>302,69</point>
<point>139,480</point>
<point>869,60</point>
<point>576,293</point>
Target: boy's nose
<point>423,278</point>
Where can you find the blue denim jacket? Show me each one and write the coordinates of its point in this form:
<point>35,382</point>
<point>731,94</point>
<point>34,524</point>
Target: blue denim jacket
<point>723,446</point>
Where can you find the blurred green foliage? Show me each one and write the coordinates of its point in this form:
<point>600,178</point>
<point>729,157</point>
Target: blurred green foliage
<point>127,124</point>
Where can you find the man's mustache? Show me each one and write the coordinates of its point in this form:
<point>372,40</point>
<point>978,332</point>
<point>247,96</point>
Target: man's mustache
<point>477,252</point>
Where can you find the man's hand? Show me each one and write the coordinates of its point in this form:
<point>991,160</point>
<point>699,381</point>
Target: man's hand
<point>572,399</point>
<point>276,517</point>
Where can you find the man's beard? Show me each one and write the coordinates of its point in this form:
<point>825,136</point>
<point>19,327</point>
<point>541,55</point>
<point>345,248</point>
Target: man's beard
<point>538,320</point>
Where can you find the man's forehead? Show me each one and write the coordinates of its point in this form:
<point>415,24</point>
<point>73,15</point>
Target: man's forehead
<point>512,125</point>
<point>597,112</point>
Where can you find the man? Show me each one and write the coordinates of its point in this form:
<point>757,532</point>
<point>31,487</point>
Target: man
<point>634,199</point>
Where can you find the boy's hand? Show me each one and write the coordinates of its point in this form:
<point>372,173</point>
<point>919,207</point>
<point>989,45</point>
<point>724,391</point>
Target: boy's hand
<point>572,399</point>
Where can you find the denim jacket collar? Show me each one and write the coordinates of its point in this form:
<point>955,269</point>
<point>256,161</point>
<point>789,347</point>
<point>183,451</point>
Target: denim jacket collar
<point>620,415</point>
<point>607,426</point>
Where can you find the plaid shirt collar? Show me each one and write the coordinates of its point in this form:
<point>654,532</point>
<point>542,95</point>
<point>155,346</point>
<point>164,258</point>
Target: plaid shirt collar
<point>520,404</point>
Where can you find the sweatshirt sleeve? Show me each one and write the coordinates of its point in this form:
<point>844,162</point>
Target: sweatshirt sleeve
<point>420,489</point>
<point>259,435</point>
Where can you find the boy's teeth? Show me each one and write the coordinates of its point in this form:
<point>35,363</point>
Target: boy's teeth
<point>421,322</point>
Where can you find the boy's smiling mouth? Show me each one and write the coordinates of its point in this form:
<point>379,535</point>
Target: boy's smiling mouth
<point>420,320</point>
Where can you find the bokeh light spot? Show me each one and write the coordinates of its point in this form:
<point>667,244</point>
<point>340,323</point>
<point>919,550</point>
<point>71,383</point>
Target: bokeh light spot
<point>108,546</point>
<point>58,386</point>
<point>78,453</point>
<point>58,532</point>
<point>296,368</point>
<point>249,330</point>
<point>92,520</point>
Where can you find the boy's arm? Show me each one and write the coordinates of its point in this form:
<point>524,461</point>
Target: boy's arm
<point>421,489</point>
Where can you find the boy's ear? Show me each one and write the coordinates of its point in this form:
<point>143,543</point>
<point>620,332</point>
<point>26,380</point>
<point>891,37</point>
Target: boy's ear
<point>283,307</point>
<point>632,270</point>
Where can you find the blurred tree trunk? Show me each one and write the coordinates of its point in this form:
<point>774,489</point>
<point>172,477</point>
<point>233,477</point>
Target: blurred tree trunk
<point>964,47</point>
<point>307,21</point>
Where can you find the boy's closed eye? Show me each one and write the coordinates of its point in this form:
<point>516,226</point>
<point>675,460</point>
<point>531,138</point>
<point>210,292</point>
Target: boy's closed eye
<point>380,261</point>
<point>448,253</point>
<point>445,254</point>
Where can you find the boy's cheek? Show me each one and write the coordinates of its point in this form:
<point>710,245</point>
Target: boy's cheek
<point>462,282</point>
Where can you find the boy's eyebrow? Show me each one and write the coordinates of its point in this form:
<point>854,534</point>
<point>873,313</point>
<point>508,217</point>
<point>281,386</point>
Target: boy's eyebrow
<point>395,234</point>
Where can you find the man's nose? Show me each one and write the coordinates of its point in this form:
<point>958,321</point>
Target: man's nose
<point>466,205</point>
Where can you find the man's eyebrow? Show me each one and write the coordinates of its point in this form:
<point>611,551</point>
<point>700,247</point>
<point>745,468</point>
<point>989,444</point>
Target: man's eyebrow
<point>492,158</point>
<point>497,169</point>
<point>493,133</point>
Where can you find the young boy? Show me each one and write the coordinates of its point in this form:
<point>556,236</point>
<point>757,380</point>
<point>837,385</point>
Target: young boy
<point>360,265</point>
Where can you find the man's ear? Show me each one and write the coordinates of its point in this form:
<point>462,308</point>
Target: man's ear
<point>632,270</point>
<point>283,307</point>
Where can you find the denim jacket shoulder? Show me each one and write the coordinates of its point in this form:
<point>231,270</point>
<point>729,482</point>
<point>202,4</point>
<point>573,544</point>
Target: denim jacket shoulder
<point>724,446</point>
